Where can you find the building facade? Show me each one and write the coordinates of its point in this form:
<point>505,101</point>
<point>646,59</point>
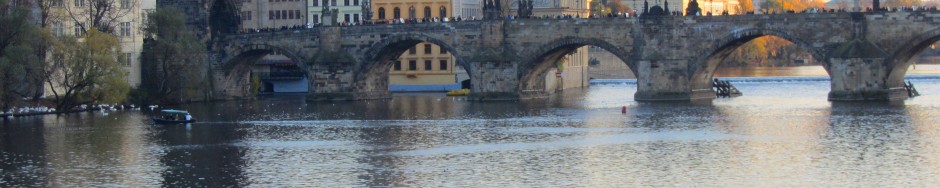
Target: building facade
<point>350,11</point>
<point>260,14</point>
<point>125,18</point>
<point>468,9</point>
<point>424,67</point>
<point>715,7</point>
<point>394,9</point>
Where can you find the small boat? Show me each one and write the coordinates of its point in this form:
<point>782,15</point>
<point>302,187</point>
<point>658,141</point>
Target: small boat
<point>170,116</point>
<point>459,92</point>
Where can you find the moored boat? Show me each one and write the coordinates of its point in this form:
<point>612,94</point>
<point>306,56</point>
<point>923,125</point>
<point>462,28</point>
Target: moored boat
<point>459,92</point>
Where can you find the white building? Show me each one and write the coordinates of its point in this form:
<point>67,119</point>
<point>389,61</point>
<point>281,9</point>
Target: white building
<point>468,9</point>
<point>260,14</point>
<point>350,11</point>
<point>127,17</point>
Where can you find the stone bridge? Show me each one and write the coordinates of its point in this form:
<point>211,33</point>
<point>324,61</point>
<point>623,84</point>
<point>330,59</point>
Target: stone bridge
<point>674,58</point>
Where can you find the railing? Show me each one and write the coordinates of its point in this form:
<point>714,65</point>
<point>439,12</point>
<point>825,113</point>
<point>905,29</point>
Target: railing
<point>280,75</point>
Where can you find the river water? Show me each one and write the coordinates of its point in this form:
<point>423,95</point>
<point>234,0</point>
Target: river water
<point>781,133</point>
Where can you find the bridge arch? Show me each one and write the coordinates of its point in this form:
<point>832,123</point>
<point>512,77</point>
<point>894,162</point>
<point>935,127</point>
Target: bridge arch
<point>901,59</point>
<point>233,78</point>
<point>373,71</point>
<point>538,62</point>
<point>249,51</point>
<point>703,66</point>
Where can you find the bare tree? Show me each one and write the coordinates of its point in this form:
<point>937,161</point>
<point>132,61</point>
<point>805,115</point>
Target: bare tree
<point>102,15</point>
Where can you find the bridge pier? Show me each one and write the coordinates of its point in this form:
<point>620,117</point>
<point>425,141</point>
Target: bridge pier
<point>494,81</point>
<point>227,86</point>
<point>666,80</point>
<point>859,73</point>
<point>338,81</point>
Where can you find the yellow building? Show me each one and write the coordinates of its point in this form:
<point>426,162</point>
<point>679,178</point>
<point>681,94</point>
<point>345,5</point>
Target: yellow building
<point>424,67</point>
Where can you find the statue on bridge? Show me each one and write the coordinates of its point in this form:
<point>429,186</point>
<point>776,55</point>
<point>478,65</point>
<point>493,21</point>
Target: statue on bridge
<point>693,9</point>
<point>330,16</point>
<point>525,8</point>
<point>492,10</point>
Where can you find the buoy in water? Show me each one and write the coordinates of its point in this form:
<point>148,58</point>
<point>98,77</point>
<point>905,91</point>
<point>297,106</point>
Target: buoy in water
<point>623,110</point>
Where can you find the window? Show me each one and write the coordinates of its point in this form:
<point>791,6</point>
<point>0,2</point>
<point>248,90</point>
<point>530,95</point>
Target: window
<point>412,65</point>
<point>270,15</point>
<point>283,14</point>
<point>126,59</point>
<point>316,3</point>
<point>125,4</point>
<point>57,29</point>
<point>345,2</point>
<point>396,13</point>
<point>79,3</point>
<point>298,15</point>
<point>355,17</point>
<point>398,66</point>
<point>356,2</point>
<point>413,50</point>
<point>58,3</point>
<point>316,18</point>
<point>78,29</point>
<point>427,12</point>
<point>443,12</point>
<point>443,51</point>
<point>381,13</point>
<point>411,12</point>
<point>332,2</point>
<point>443,65</point>
<point>427,48</point>
<point>346,18</point>
<point>427,64</point>
<point>125,29</point>
<point>246,15</point>
<point>290,14</point>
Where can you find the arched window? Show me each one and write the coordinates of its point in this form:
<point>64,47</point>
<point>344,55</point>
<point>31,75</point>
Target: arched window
<point>444,12</point>
<point>427,12</point>
<point>397,13</point>
<point>381,13</point>
<point>411,12</point>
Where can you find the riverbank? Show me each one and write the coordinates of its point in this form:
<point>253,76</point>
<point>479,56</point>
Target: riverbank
<point>8,115</point>
<point>37,111</point>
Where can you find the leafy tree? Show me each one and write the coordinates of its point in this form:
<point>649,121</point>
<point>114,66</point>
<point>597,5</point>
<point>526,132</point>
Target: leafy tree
<point>173,58</point>
<point>18,64</point>
<point>86,71</point>
<point>764,51</point>
<point>599,9</point>
<point>617,6</point>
